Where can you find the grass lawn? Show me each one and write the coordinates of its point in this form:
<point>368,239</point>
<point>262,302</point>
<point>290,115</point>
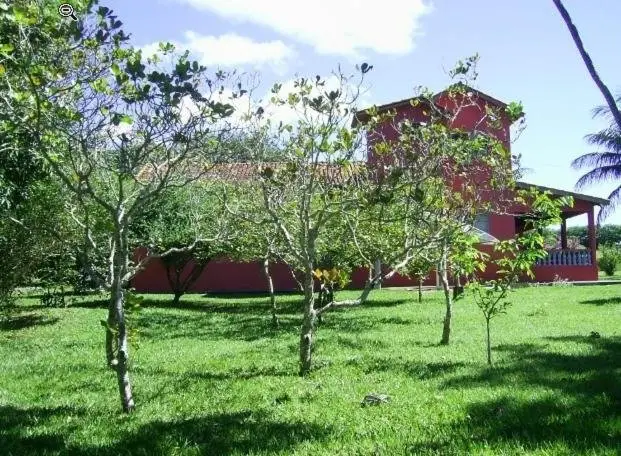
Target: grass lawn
<point>213,378</point>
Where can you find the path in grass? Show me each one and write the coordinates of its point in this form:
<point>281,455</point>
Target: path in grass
<point>213,378</point>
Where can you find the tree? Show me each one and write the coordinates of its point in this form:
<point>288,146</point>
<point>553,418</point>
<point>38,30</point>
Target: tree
<point>606,165</point>
<point>178,219</point>
<point>308,191</point>
<point>515,257</point>
<point>115,129</point>
<point>419,269</point>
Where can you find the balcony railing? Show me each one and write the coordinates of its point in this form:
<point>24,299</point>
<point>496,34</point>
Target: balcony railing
<point>566,257</point>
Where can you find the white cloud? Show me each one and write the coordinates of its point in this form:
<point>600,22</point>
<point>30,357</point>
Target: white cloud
<point>231,50</point>
<point>342,27</point>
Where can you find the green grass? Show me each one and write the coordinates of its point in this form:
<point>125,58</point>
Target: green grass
<point>213,378</point>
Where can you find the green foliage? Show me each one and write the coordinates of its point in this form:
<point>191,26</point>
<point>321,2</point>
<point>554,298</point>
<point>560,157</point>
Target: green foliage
<point>34,236</point>
<point>609,259</point>
<point>191,220</point>
<point>608,235</point>
<point>605,234</point>
<point>53,296</point>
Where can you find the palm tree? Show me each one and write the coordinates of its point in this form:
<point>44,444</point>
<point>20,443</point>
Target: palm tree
<point>604,165</point>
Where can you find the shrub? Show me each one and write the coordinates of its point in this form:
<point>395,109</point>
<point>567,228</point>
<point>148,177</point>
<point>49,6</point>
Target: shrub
<point>609,259</point>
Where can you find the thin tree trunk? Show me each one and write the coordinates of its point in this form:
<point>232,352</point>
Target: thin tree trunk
<point>458,290</point>
<point>614,110</point>
<point>111,355</point>
<point>489,343</point>
<point>270,288</point>
<point>175,266</point>
<point>111,322</point>
<point>122,373</point>
<point>378,272</point>
<point>420,289</point>
<point>121,258</point>
<point>446,330</point>
<point>308,324</point>
<point>370,285</point>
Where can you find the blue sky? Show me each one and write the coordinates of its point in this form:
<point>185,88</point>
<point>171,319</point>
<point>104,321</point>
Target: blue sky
<point>526,55</point>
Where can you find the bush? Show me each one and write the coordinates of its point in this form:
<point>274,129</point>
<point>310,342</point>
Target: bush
<point>610,257</point>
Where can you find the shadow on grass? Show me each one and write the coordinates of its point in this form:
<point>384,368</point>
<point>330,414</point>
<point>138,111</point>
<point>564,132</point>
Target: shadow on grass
<point>234,304</point>
<point>166,324</point>
<point>15,422</point>
<point>16,322</point>
<point>511,426</point>
<point>603,301</point>
<point>245,320</point>
<point>243,432</point>
<point>417,370</point>
<point>580,409</point>
<point>247,295</point>
<point>385,302</point>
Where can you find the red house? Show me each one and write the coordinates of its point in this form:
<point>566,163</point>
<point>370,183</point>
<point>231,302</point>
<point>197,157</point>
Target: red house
<point>571,264</point>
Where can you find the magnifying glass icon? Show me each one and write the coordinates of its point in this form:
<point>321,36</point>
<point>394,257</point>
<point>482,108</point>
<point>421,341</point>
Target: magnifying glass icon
<point>66,10</point>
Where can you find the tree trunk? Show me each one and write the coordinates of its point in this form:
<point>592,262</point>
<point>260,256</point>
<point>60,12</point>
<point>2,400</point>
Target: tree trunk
<point>120,261</point>
<point>378,272</point>
<point>177,298</point>
<point>111,322</point>
<point>586,58</point>
<point>458,289</point>
<point>420,289</point>
<point>270,288</point>
<point>446,331</point>
<point>308,324</point>
<point>176,264</point>
<point>125,388</point>
<point>111,354</point>
<point>489,343</point>
<point>370,285</point>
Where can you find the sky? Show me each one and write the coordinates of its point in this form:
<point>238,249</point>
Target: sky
<point>526,55</point>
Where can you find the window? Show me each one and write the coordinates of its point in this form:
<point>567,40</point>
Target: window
<point>482,222</point>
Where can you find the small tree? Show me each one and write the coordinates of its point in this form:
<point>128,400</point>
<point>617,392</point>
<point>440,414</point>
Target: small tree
<point>314,184</point>
<point>183,216</point>
<point>419,269</point>
<point>516,257</point>
<point>114,127</point>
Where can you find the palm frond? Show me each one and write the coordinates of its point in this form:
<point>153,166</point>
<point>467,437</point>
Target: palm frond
<point>597,159</point>
<point>605,211</point>
<point>604,110</point>
<point>599,174</point>
<point>609,138</point>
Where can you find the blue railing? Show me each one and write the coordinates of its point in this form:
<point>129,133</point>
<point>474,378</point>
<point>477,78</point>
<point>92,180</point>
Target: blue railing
<point>566,257</point>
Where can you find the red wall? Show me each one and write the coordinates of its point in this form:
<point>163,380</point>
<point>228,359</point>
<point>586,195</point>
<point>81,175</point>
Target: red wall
<point>228,276</point>
<point>571,273</point>
<point>219,276</point>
